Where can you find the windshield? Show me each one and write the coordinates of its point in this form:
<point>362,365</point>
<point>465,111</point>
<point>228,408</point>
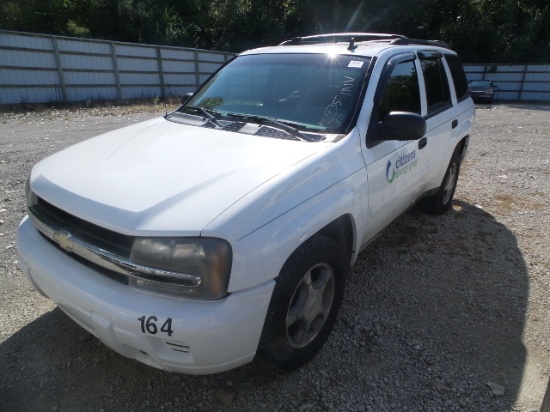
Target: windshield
<point>316,92</point>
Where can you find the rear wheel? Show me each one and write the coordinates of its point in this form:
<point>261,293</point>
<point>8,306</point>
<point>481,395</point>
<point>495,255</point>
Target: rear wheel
<point>443,199</point>
<point>305,303</point>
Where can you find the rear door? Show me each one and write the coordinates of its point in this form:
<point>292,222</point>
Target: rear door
<point>440,113</point>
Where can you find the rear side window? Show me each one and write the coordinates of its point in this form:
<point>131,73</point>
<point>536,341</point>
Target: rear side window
<point>459,77</point>
<point>437,85</point>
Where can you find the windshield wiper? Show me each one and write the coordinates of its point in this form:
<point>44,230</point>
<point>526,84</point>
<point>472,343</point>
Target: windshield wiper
<point>272,122</point>
<point>209,114</point>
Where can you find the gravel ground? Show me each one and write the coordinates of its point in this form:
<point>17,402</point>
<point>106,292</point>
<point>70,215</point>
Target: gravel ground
<point>441,313</point>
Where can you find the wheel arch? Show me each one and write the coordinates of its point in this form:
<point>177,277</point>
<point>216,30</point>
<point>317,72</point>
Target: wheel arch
<point>462,147</point>
<point>342,231</point>
<point>337,212</point>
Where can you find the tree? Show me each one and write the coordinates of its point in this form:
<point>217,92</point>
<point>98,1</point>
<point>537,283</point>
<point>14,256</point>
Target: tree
<point>512,31</point>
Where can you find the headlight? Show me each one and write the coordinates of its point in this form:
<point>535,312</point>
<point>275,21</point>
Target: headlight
<point>194,267</point>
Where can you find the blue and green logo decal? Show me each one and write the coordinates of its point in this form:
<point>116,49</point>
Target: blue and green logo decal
<point>401,166</point>
<point>390,172</point>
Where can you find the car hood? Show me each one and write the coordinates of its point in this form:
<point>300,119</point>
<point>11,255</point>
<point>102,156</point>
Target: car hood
<point>160,177</point>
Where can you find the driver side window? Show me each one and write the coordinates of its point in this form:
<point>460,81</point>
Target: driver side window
<point>402,92</point>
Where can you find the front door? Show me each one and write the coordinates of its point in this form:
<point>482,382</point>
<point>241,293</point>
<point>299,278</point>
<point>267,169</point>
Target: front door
<point>396,170</point>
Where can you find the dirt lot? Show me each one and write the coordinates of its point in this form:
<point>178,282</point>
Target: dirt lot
<point>441,312</point>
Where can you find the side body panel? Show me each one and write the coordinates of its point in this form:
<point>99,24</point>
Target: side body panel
<point>265,227</point>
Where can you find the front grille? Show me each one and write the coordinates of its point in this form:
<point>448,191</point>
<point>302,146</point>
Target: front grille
<point>111,274</point>
<point>96,246</point>
<point>96,235</point>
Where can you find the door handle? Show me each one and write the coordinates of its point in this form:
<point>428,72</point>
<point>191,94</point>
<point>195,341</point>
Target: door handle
<point>422,143</point>
<point>455,123</point>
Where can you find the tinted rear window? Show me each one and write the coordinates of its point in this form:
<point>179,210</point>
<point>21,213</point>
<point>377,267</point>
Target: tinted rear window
<point>459,77</point>
<point>437,86</point>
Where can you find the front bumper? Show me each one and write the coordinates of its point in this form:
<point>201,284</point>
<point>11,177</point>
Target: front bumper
<point>207,337</point>
<point>482,95</point>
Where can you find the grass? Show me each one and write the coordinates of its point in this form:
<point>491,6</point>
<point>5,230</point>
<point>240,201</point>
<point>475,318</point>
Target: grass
<point>506,203</point>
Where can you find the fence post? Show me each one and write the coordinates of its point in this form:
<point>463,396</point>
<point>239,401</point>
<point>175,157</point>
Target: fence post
<point>197,70</point>
<point>161,73</point>
<point>117,74</point>
<point>484,71</point>
<point>60,70</point>
<point>522,85</point>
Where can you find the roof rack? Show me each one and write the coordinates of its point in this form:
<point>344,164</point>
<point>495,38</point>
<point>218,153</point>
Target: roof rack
<point>353,38</point>
<point>341,37</point>
<point>437,43</point>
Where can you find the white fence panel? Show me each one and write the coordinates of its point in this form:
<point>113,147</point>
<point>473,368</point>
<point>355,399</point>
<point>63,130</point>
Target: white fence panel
<point>534,96</point>
<point>33,95</point>
<point>208,57</point>
<point>536,87</point>
<point>538,77</point>
<point>136,51</point>
<point>38,68</point>
<point>90,78</point>
<point>476,69</point>
<point>180,79</point>
<point>28,77</point>
<point>172,66</point>
<point>82,46</point>
<point>208,67</point>
<point>25,42</point>
<point>142,92</point>
<point>140,79</point>
<point>135,64</point>
<point>82,62</point>
<point>177,91</point>
<point>177,54</point>
<point>26,59</point>
<point>91,93</point>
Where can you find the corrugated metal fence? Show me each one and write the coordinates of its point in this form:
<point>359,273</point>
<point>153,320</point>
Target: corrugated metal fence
<point>37,68</point>
<point>524,82</point>
<point>40,68</point>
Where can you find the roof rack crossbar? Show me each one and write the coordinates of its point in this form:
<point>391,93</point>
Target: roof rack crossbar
<point>354,38</point>
<point>342,37</point>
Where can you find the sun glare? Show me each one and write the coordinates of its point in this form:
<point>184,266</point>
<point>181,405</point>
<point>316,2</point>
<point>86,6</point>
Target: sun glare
<point>332,52</point>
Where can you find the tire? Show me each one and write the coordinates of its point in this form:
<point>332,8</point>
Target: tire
<point>441,202</point>
<point>305,303</point>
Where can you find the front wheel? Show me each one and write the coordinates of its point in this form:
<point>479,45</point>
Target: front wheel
<point>442,200</point>
<point>305,303</point>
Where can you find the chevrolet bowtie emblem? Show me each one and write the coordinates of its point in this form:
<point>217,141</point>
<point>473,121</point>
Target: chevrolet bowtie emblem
<point>64,240</point>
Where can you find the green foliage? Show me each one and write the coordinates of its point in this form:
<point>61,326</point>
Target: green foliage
<point>74,29</point>
<point>513,31</point>
<point>34,15</point>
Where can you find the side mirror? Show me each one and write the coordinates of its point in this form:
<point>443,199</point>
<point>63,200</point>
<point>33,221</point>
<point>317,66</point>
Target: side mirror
<point>402,126</point>
<point>186,97</point>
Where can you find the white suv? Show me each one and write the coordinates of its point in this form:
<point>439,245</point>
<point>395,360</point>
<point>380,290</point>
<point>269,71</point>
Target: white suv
<point>226,228</point>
